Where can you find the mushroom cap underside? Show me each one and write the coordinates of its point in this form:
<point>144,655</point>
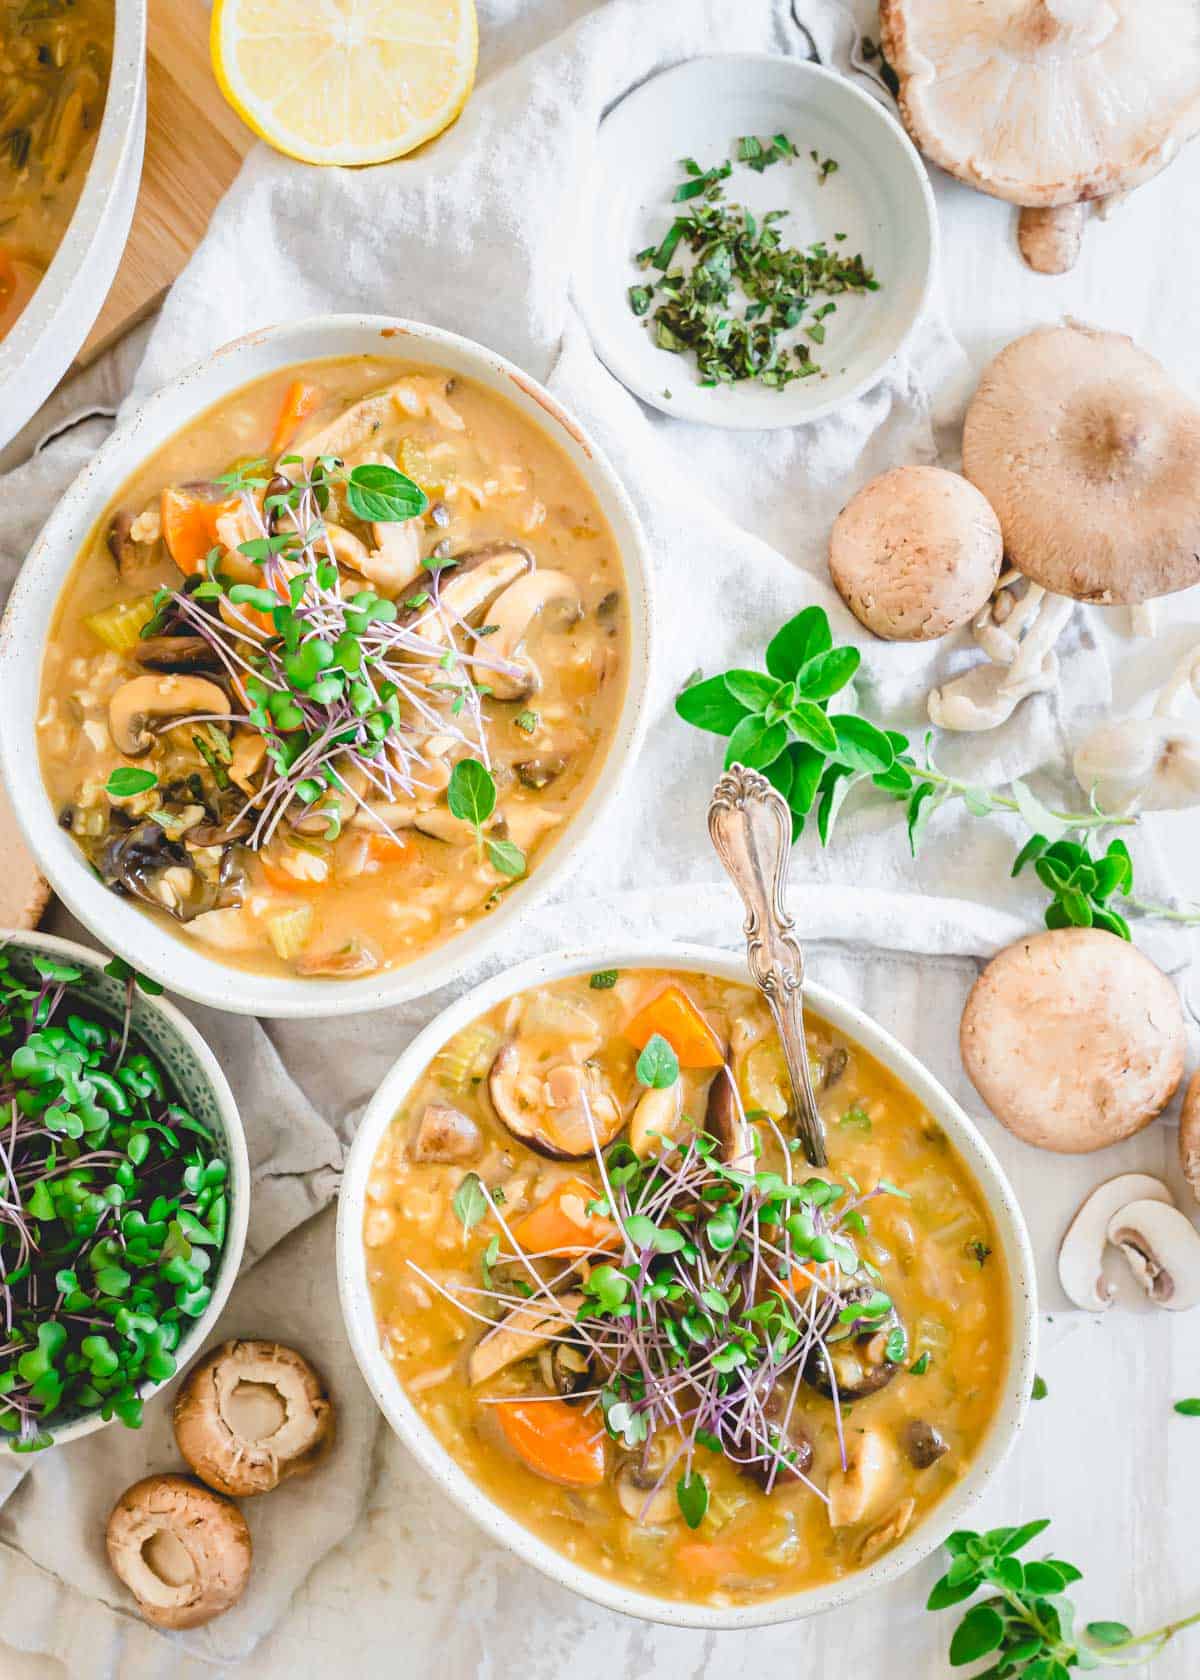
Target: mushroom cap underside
<point>1090,455</point>
<point>183,1551</point>
<point>251,1414</point>
<point>1047,102</point>
<point>1074,1039</point>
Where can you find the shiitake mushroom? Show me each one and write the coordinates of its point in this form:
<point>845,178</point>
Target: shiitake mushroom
<point>853,1356</point>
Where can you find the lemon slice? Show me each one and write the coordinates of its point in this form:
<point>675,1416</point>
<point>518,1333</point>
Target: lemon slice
<point>345,81</point>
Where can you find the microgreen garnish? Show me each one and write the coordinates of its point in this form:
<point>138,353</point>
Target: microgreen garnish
<point>471,797</point>
<point>697,1322</point>
<point>920,1365</point>
<point>1026,1623</point>
<point>737,301</point>
<point>779,722</point>
<point>526,721</point>
<point>604,980</point>
<point>112,1206</point>
<point>124,782</point>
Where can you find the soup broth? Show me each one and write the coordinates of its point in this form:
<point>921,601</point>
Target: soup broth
<point>801,1471</point>
<point>301,669</point>
<point>55,57</point>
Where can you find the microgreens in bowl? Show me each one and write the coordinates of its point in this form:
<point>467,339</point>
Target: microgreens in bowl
<point>343,688</point>
<point>113,1207</point>
<point>779,721</point>
<point>729,1284</point>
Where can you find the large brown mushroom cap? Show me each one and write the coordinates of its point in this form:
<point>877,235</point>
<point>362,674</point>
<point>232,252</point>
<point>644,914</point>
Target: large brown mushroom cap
<point>183,1552</point>
<point>916,553</point>
<point>24,891</point>
<point>1046,102</point>
<point>1074,1039</point>
<point>250,1415</point>
<point>1090,455</point>
<point>1189,1135</point>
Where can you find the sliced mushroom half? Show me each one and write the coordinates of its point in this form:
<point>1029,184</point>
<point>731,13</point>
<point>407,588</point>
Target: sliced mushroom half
<point>547,1106</point>
<point>1162,1247</point>
<point>521,1332</point>
<point>725,1120</point>
<point>476,577</point>
<point>183,1552</point>
<point>854,1355</point>
<point>147,704</point>
<point>251,1414</point>
<point>445,1133</point>
<point>514,614</point>
<point>180,654</point>
<point>859,1491</point>
<point>655,1119</point>
<point>643,1499</point>
<point>1081,1257</point>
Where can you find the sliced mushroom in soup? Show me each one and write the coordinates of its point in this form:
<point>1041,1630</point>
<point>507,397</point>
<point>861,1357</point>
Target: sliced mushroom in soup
<point>705,1370</point>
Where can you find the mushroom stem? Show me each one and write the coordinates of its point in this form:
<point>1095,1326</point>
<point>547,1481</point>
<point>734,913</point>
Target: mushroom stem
<point>1147,764</point>
<point>1020,646</point>
<point>1050,237</point>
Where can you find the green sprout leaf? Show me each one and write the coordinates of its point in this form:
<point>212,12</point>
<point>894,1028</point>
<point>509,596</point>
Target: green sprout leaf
<point>658,1065</point>
<point>470,1204</point>
<point>377,492</point>
<point>124,782</point>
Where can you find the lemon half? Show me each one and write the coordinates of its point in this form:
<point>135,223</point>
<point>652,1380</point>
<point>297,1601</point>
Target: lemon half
<point>345,81</point>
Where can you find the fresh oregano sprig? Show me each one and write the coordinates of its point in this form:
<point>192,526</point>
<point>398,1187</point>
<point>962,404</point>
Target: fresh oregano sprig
<point>779,722</point>
<point>471,797</point>
<point>1026,1623</point>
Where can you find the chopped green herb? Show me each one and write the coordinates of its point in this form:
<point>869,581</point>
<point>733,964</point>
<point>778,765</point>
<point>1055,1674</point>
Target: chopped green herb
<point>1040,1390</point>
<point>604,980</point>
<point>526,721</point>
<point>1188,1408</point>
<point>125,783</point>
<point>920,1365</point>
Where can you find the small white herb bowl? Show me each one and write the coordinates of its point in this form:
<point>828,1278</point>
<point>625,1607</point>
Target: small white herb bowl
<point>359,1314</point>
<point>117,922</point>
<point>879,197</point>
<point>195,1075</point>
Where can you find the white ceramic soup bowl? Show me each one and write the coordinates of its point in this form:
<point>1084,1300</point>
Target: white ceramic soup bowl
<point>116,922</point>
<point>359,1314</point>
<point>63,310</point>
<point>195,1074</point>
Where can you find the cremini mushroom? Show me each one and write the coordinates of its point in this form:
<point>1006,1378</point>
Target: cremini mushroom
<point>476,577</point>
<point>1050,104</point>
<point>725,1120</point>
<point>924,1443</point>
<point>519,1333</point>
<point>1018,637</point>
<point>144,705</point>
<point>553,1106</point>
<point>24,891</point>
<point>1147,764</point>
<point>1089,454</point>
<point>642,1499</point>
<point>916,553</point>
<point>1162,1247</point>
<point>1073,1038</point>
<point>655,1119</point>
<point>514,614</point>
<point>1189,1135</point>
<point>445,1133</point>
<point>251,1414</point>
<point>183,1552</point>
<point>857,1492</point>
<point>1081,1256</point>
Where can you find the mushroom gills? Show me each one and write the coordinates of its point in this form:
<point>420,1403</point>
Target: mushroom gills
<point>1081,1255</point>
<point>559,1109</point>
<point>1162,1247</point>
<point>251,1414</point>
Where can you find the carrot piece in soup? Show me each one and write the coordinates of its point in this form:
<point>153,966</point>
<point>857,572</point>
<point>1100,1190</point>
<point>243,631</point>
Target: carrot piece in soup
<point>673,1014</point>
<point>301,400</point>
<point>390,849</point>
<point>557,1441</point>
<point>189,527</point>
<point>562,1225</point>
<point>710,1561</point>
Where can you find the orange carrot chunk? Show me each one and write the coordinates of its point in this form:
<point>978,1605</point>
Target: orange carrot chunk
<point>710,1561</point>
<point>562,1225</point>
<point>301,400</point>
<point>390,849</point>
<point>189,527</point>
<point>673,1014</point>
<point>557,1441</point>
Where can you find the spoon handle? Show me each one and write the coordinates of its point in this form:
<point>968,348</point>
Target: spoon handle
<point>751,828</point>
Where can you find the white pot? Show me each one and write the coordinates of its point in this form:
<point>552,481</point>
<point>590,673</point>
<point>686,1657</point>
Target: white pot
<point>183,966</point>
<point>63,310</point>
<point>196,1076</point>
<point>359,1314</point>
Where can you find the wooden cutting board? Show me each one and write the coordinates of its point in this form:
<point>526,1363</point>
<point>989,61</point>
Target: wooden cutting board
<point>194,148</point>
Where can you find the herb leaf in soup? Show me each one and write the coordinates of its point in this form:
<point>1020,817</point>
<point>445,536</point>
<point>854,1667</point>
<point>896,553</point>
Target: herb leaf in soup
<point>309,632</point>
<point>773,1376</point>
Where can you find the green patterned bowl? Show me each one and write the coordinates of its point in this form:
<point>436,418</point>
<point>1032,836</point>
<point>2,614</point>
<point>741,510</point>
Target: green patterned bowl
<point>201,1087</point>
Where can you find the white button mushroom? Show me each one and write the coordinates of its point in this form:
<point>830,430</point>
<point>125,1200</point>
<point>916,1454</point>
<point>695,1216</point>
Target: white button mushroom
<point>1048,104</point>
<point>1074,1039</point>
<point>1090,455</point>
<point>1162,1247</point>
<point>1146,764</point>
<point>915,553</point>
<point>1081,1256</point>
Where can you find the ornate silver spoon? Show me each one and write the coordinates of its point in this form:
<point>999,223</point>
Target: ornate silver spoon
<point>751,828</point>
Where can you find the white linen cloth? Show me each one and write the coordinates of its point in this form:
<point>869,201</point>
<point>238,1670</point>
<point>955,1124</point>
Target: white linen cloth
<point>475,234</point>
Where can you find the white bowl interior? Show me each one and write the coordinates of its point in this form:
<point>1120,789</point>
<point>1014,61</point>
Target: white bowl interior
<point>404,1418</point>
<point>196,1075</point>
<point>879,197</point>
<point>63,310</point>
<point>117,923</point>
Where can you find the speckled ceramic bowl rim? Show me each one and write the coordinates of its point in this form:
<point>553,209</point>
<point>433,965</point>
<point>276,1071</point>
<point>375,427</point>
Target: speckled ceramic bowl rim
<point>187,968</point>
<point>235,1142</point>
<point>414,1432</point>
<point>73,289</point>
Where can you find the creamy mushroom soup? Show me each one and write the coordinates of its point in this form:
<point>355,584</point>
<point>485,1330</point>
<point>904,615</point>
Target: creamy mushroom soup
<point>336,668</point>
<point>54,67</point>
<point>631,1312</point>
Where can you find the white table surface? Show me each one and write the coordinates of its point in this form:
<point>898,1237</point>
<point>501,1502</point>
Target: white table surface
<point>1103,1454</point>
